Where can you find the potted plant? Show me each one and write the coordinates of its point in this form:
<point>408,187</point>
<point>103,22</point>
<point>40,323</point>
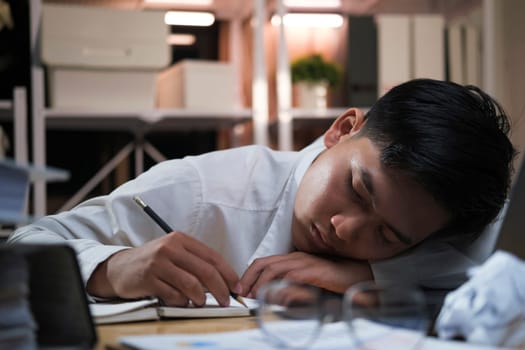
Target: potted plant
<point>312,76</point>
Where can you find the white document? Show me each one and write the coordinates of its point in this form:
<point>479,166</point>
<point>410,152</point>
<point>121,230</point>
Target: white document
<point>334,336</point>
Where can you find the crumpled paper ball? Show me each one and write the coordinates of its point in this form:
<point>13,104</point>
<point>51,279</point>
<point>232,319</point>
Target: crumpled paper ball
<point>489,308</point>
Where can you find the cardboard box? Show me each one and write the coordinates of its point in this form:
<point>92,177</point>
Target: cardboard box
<point>100,58</point>
<point>197,84</point>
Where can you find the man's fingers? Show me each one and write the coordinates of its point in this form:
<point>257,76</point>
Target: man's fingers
<point>175,268</point>
<point>215,270</point>
<point>273,272</point>
<point>169,295</point>
<point>262,271</point>
<point>214,258</point>
<point>203,273</point>
<point>184,282</point>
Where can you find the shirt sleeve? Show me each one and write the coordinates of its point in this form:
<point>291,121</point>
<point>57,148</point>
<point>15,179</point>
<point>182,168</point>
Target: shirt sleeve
<point>102,226</point>
<point>437,263</point>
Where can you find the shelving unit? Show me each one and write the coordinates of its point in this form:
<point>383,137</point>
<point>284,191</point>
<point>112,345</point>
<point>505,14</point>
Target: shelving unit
<point>6,112</point>
<point>139,125</point>
<point>288,118</point>
<point>15,110</point>
<point>5,108</point>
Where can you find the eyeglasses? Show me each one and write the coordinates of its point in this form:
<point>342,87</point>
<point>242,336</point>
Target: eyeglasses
<point>292,315</point>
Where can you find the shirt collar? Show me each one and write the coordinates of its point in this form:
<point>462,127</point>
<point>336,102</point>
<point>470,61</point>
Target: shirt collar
<point>277,240</point>
<point>309,154</point>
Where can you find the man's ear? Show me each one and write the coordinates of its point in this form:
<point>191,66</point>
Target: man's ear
<point>348,123</point>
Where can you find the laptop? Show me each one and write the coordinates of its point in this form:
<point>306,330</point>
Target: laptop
<point>511,236</point>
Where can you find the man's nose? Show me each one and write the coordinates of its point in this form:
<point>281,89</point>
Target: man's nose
<point>348,227</point>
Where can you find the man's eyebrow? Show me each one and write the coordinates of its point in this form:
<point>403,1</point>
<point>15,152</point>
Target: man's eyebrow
<point>369,185</point>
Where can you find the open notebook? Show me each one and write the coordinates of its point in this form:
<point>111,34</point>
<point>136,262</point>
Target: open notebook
<point>150,309</point>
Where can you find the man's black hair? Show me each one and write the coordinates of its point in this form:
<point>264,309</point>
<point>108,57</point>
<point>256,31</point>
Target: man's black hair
<point>451,139</point>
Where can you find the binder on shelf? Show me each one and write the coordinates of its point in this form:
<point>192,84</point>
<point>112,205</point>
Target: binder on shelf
<point>394,49</point>
<point>14,188</point>
<point>464,54</point>
<point>409,47</point>
<point>456,62</point>
<point>429,46</point>
<point>472,56</point>
<point>362,61</point>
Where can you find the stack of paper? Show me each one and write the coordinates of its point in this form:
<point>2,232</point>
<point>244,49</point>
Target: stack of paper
<point>17,326</point>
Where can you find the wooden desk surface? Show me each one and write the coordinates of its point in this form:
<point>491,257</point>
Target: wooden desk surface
<point>108,334</point>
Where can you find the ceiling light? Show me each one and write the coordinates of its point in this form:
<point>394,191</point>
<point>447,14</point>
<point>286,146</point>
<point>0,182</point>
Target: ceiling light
<point>188,18</point>
<point>181,39</point>
<point>180,2</point>
<point>313,3</point>
<point>331,20</point>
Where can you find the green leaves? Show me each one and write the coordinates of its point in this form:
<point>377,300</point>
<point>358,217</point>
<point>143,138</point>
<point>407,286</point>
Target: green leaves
<point>313,69</point>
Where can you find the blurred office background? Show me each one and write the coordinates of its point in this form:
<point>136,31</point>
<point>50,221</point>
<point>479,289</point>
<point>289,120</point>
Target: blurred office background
<point>227,82</point>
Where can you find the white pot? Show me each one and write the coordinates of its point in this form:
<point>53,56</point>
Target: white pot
<point>311,95</point>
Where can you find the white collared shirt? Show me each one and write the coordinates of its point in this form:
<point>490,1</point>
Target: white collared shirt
<point>238,201</point>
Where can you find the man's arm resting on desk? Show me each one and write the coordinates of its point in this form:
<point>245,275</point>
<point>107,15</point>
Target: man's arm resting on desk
<point>333,274</point>
<point>432,264</point>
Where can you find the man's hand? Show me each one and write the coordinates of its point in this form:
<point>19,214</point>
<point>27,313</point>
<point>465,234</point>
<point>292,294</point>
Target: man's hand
<point>334,274</point>
<point>175,268</point>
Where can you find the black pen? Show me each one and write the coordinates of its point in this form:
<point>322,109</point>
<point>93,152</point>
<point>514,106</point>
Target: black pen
<point>158,220</point>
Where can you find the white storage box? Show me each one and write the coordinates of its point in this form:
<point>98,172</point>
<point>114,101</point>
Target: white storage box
<point>101,90</point>
<point>100,58</point>
<point>197,84</point>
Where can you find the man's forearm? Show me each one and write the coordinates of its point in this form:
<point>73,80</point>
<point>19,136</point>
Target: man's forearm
<point>99,285</point>
<point>355,271</point>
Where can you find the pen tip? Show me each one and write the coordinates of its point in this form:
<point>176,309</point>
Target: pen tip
<point>239,299</point>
